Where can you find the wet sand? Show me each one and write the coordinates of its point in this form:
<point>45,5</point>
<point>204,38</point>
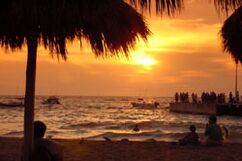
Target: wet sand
<point>74,150</point>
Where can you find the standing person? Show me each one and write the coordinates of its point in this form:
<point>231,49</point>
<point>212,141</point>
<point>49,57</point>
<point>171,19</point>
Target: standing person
<point>176,97</point>
<point>230,97</point>
<point>237,97</point>
<point>213,132</point>
<point>45,149</point>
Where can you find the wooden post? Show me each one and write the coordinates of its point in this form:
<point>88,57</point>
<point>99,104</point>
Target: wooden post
<point>29,97</point>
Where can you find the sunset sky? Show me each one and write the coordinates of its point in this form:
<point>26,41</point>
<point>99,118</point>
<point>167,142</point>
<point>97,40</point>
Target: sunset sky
<point>184,53</point>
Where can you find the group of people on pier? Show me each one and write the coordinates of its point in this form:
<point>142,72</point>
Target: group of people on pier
<point>234,99</point>
<point>182,97</point>
<point>212,97</point>
<point>207,97</point>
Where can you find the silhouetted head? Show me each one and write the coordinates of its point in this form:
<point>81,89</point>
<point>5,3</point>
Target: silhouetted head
<point>212,119</point>
<point>136,128</point>
<point>39,129</point>
<point>193,128</point>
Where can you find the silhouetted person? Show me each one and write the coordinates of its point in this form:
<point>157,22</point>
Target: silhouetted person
<point>191,137</point>
<point>237,97</point>
<point>186,97</point>
<point>136,128</point>
<point>176,97</point>
<point>156,104</point>
<point>221,98</point>
<point>194,98</point>
<point>230,97</point>
<point>213,132</point>
<point>203,97</point>
<point>44,149</point>
<point>213,97</point>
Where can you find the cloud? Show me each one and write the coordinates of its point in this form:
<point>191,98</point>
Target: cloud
<point>186,51</point>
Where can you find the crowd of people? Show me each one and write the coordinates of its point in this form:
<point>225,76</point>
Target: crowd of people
<point>207,97</point>
<point>182,97</point>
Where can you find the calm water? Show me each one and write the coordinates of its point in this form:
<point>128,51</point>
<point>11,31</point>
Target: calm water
<point>95,117</point>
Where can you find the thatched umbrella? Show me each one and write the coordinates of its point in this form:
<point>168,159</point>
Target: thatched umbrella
<point>169,7</point>
<point>231,34</point>
<point>172,7</point>
<point>227,5</point>
<point>111,26</point>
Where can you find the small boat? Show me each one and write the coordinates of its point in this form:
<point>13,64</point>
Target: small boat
<point>20,98</point>
<point>124,99</point>
<point>12,103</point>
<point>51,100</point>
<point>141,103</point>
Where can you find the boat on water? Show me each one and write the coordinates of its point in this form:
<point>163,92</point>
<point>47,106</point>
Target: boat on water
<point>141,103</point>
<point>12,103</point>
<point>52,100</point>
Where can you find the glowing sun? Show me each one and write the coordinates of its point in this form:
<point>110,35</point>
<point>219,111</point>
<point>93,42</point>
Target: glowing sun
<point>146,61</point>
<point>143,59</point>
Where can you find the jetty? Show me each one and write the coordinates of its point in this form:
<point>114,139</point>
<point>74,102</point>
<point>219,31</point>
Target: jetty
<point>207,108</point>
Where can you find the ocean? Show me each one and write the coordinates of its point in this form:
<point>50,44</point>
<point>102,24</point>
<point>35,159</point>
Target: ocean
<point>113,117</point>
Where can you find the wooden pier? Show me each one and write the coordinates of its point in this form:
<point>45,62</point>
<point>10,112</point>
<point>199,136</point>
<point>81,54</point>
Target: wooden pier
<point>207,108</point>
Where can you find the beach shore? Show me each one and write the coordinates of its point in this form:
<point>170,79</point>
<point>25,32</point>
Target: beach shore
<point>75,150</point>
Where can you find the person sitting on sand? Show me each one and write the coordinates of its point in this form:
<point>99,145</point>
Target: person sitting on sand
<point>45,149</point>
<point>191,137</point>
<point>213,132</point>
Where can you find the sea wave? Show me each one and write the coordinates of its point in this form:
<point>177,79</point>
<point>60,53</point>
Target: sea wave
<point>79,117</point>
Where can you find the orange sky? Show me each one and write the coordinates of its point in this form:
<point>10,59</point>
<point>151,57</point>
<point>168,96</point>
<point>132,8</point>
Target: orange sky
<point>183,54</point>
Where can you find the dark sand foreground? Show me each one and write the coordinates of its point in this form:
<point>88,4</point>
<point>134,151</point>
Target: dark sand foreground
<point>130,151</point>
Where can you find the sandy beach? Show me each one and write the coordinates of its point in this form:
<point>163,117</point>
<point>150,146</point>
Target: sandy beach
<point>74,150</point>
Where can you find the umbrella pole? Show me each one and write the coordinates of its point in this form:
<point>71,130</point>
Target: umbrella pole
<point>236,80</point>
<point>29,98</point>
